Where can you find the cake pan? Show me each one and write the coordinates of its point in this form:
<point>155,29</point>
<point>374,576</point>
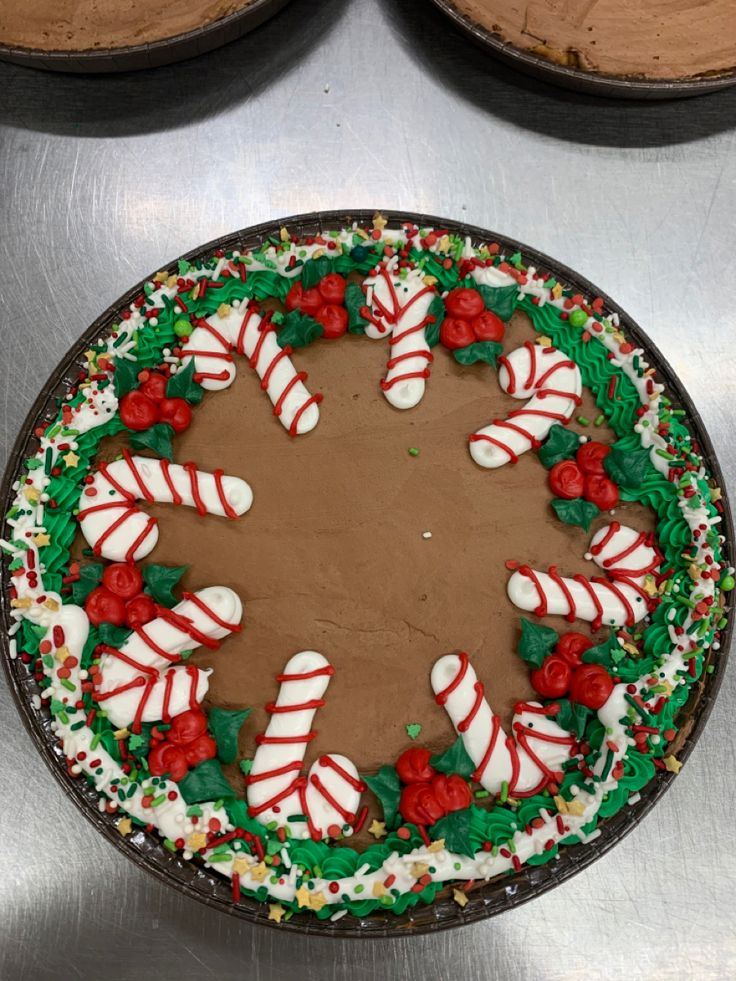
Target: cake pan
<point>496,896</point>
<point>153,55</point>
<point>591,83</point>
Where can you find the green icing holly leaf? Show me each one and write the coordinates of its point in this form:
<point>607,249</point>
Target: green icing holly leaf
<point>245,766</point>
<point>354,303</point>
<point>413,729</point>
<point>436,310</point>
<point>572,716</point>
<point>487,351</point>
<point>385,785</point>
<point>455,829</point>
<point>314,270</point>
<point>125,378</point>
<point>501,300</point>
<point>157,438</point>
<point>225,724</point>
<point>184,267</point>
<point>578,511</point>
<point>138,742</point>
<point>608,653</point>
<point>298,330</point>
<point>627,468</point>
<point>183,386</point>
<point>205,782</point>
<point>536,642</point>
<point>160,581</point>
<point>454,760</point>
<point>561,444</point>
<point>111,635</point>
<point>90,576</point>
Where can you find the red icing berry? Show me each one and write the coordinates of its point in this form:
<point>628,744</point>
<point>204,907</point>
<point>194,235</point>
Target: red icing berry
<point>591,455</point>
<point>137,411</point>
<point>332,288</point>
<point>200,749</point>
<point>122,579</point>
<point>334,319</point>
<point>419,805</point>
<point>177,412</point>
<point>566,480</point>
<point>140,610</point>
<point>464,303</point>
<point>102,606</point>
<point>452,793</point>
<point>293,299</point>
<point>601,491</point>
<point>455,333</point>
<point>413,765</point>
<point>488,326</point>
<point>155,386</point>
<point>571,647</point>
<point>187,727</point>
<point>591,685</point>
<point>311,301</point>
<point>167,758</point>
<point>552,678</point>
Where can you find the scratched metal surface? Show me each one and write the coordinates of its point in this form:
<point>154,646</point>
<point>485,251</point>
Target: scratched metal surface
<point>101,179</point>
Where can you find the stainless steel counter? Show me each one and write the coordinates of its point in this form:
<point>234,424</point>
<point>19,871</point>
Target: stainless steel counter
<point>364,103</point>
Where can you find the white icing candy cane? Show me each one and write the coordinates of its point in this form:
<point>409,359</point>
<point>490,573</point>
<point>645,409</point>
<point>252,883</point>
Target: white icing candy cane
<point>140,682</point>
<point>399,310</point>
<point>117,529</point>
<point>625,555</point>
<point>526,762</point>
<point>244,330</point>
<point>329,796</point>
<point>552,384</point>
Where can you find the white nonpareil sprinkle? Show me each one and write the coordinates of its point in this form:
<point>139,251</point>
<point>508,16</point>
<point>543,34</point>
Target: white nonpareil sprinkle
<point>426,534</point>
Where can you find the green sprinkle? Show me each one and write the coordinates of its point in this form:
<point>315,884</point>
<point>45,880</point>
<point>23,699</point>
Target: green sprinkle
<point>413,729</point>
<point>168,843</point>
<point>504,792</point>
<point>583,420</point>
<point>480,794</point>
<point>599,420</point>
<point>95,741</point>
<point>359,888</point>
<point>710,668</point>
<point>158,800</point>
<point>69,685</point>
<point>578,318</point>
<point>413,451</point>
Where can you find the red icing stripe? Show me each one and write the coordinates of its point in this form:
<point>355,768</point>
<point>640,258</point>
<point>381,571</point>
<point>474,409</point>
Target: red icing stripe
<point>441,697</point>
<point>191,469</point>
<point>226,506</point>
<point>495,729</point>
<point>347,777</point>
<point>464,725</point>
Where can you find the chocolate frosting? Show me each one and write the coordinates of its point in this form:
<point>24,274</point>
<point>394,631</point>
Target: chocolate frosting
<point>70,25</point>
<point>651,38</point>
<point>332,555</point>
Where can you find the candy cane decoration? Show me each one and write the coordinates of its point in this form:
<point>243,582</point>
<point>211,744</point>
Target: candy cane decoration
<point>243,330</point>
<point>117,529</point>
<point>329,796</point>
<point>527,762</point>
<point>552,384</point>
<point>626,556</point>
<point>144,680</point>
<point>399,308</point>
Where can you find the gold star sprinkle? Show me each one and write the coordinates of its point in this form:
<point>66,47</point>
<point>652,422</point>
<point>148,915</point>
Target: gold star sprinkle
<point>302,896</point>
<point>172,281</point>
<point>379,889</point>
<point>125,826</point>
<point>377,829</point>
<point>121,734</point>
<point>284,234</point>
<point>195,291</point>
<point>275,912</point>
<point>51,604</point>
<point>556,291</point>
<point>429,280</point>
<point>70,459</point>
<point>240,866</point>
<point>31,494</point>
<point>90,356</point>
<point>672,764</point>
<point>41,539</point>
<point>62,653</point>
<point>694,571</point>
<point>196,840</point>
<point>161,276</point>
<point>444,244</point>
<point>650,586</point>
<point>318,254</point>
<point>317,900</point>
<point>544,341</point>
<point>418,869</point>
<point>223,310</point>
<point>21,604</point>
<point>716,494</point>
<point>259,872</point>
<point>574,807</point>
<point>437,846</point>
<point>460,898</point>
<point>379,221</point>
<point>631,649</point>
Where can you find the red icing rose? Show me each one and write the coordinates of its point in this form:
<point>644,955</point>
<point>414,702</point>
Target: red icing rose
<point>419,805</point>
<point>552,678</point>
<point>187,727</point>
<point>451,793</point>
<point>488,326</point>
<point>334,319</point>
<point>102,606</point>
<point>571,647</point>
<point>566,480</point>
<point>167,758</point>
<point>332,288</point>
<point>601,491</point>
<point>137,411</point>
<point>177,412</point>
<point>140,610</point>
<point>122,579</point>
<point>413,766</point>
<point>591,685</point>
<point>154,387</point>
<point>200,749</point>
<point>464,303</point>
<point>591,455</point>
<point>311,301</point>
<point>293,299</point>
<point>455,334</point>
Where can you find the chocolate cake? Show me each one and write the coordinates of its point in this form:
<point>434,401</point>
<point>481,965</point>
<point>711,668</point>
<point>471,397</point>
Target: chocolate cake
<point>282,658</point>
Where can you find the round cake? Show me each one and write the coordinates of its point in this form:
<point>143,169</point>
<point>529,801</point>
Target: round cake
<point>351,654</point>
<point>650,39</point>
<point>67,25</point>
